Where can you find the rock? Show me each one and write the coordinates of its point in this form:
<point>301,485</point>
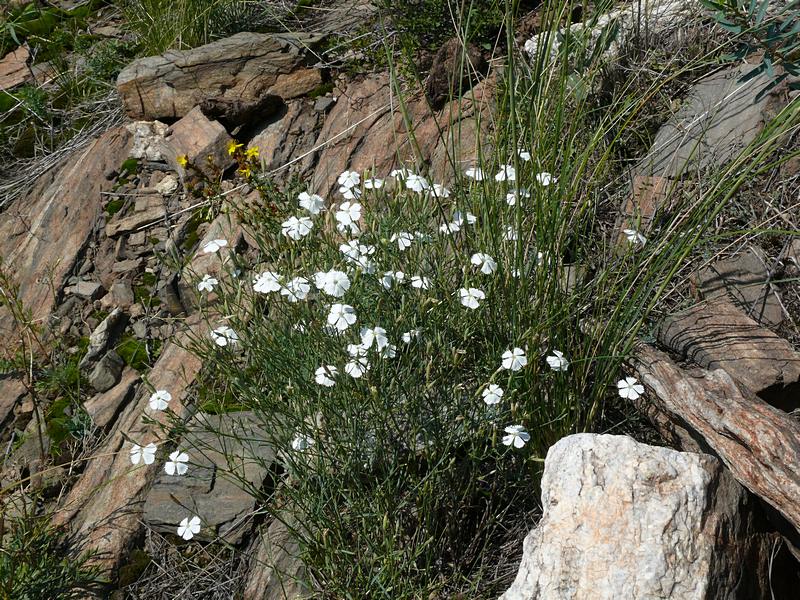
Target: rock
<point>717,335</point>
<point>745,279</point>
<point>44,232</point>
<point>246,67</point>
<point>107,372</point>
<point>627,520</point>
<point>649,195</point>
<point>107,518</point>
<point>758,443</point>
<point>452,71</point>
<point>287,135</point>
<point>149,139</point>
<point>365,131</point>
<point>275,570</point>
<point>103,408</point>
<point>323,103</point>
<point>154,212</point>
<point>197,138</point>
<point>128,265</point>
<point>168,185</point>
<point>105,334</point>
<point>12,391</point>
<point>211,486</point>
<point>119,296</point>
<point>90,290</point>
<point>297,83</point>
<point>14,69</point>
<point>718,119</point>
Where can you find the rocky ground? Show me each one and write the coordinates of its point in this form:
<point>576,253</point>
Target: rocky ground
<point>103,247</point>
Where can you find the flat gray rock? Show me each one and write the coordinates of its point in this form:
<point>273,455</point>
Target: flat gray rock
<point>718,119</point>
<point>226,453</point>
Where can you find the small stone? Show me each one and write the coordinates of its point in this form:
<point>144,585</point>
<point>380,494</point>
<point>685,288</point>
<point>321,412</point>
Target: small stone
<point>106,372</point>
<point>323,103</point>
<point>104,407</point>
<point>14,68</point>
<point>201,141</point>
<point>168,185</point>
<point>135,221</point>
<point>102,336</point>
<point>126,266</point>
<point>136,311</point>
<point>148,140</point>
<point>139,329</point>
<point>91,290</point>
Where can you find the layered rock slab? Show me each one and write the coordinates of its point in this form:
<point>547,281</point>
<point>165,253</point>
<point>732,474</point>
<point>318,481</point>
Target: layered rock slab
<point>627,520</point>
<point>718,335</point>
<point>43,233</point>
<point>242,69</point>
<point>229,459</point>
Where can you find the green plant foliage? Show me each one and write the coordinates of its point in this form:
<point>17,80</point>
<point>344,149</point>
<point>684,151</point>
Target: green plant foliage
<point>761,25</point>
<point>34,564</point>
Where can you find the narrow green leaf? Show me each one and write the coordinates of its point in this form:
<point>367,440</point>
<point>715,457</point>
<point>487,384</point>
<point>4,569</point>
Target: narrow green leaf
<point>762,10</point>
<point>770,86</point>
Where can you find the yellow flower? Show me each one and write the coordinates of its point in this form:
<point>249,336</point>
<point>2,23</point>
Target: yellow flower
<point>252,152</point>
<point>233,147</point>
<point>245,171</point>
<point>183,160</point>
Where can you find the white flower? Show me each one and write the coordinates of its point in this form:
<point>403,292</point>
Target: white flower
<point>207,283</point>
<point>296,289</point>
<point>511,234</point>
<point>297,228</point>
<point>267,282</point>
<point>357,350</point>
<point>421,283</point>
<point>634,237</point>
<point>357,367</point>
<point>353,193</point>
<point>349,179</point>
<point>214,246</point>
<point>373,184</point>
<point>334,283</point>
<point>492,394</point>
<point>471,297</point>
<point>189,527</point>
<point>326,375</point>
<point>630,388</point>
<point>485,262</point>
<point>300,326</point>
<point>358,254</point>
<point>376,335</point>
<point>476,174</point>
<point>439,191</point>
<point>146,454</point>
<point>506,173</point>
<point>160,399</point>
<point>347,216</point>
<point>341,316</point>
<point>311,202</point>
<point>524,155</point>
<point>545,179</point>
<point>177,463</point>
<point>511,197</point>
<point>399,173</point>
<point>514,359</point>
<point>389,351</point>
<point>459,218</point>
<point>391,277</point>
<point>422,237</point>
<point>417,183</point>
<point>517,435</point>
<point>409,336</point>
<point>302,442</point>
<point>557,361</point>
<point>224,336</point>
<point>450,228</point>
<point>403,239</point>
